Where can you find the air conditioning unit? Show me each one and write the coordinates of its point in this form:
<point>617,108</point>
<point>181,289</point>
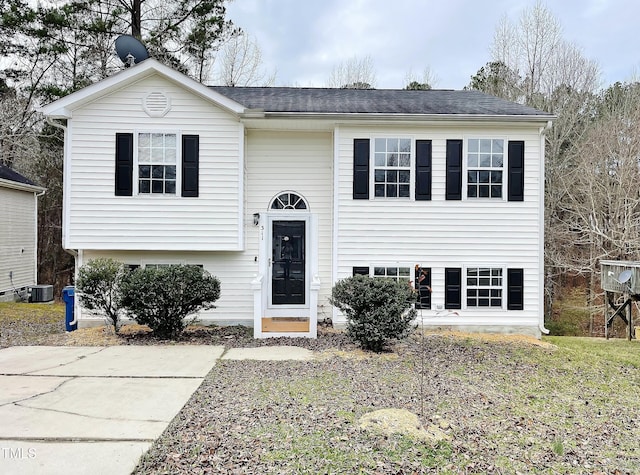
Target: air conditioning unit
<point>41,293</point>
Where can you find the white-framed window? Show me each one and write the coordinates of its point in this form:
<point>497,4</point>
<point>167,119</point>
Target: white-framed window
<point>157,162</point>
<point>288,200</point>
<point>484,287</point>
<point>150,265</point>
<point>485,166</point>
<point>392,167</point>
<point>394,272</point>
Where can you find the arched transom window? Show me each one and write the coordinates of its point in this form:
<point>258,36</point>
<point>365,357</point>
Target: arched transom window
<point>289,200</point>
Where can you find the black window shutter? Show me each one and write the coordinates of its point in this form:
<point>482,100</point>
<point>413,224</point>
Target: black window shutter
<point>515,289</point>
<point>190,165</point>
<point>360,169</point>
<point>124,164</point>
<point>423,170</point>
<point>516,171</point>
<point>423,287</point>
<point>453,288</point>
<point>454,170</point>
<point>360,271</point>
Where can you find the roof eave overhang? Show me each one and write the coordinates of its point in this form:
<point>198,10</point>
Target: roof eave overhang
<point>409,117</point>
<point>14,185</point>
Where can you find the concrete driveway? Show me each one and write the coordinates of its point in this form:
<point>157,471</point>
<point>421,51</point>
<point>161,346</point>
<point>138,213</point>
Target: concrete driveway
<point>68,410</point>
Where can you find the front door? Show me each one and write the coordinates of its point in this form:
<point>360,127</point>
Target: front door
<point>288,263</point>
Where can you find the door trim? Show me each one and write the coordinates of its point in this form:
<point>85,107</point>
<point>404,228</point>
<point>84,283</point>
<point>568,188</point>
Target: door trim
<point>269,271</point>
<point>311,262</point>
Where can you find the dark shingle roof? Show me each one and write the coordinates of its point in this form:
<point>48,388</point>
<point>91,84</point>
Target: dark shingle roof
<point>7,173</point>
<point>373,101</point>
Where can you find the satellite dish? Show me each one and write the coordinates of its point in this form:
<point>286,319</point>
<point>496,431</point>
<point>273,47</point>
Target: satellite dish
<point>130,50</point>
<point>625,276</point>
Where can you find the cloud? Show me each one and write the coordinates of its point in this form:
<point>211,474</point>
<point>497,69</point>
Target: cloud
<point>305,39</point>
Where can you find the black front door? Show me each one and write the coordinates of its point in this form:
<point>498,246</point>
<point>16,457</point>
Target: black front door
<point>288,263</point>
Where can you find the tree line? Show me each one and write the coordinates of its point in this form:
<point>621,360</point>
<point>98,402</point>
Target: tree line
<point>592,202</point>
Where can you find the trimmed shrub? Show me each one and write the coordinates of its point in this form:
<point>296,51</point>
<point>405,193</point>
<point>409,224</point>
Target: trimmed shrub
<point>164,297</point>
<point>98,286</point>
<point>377,310</point>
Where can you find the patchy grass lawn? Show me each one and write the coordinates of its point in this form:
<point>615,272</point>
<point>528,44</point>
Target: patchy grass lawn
<point>30,323</point>
<point>571,406</point>
<point>509,405</point>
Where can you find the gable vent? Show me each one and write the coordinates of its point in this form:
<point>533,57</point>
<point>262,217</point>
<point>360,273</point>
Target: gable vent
<point>156,104</point>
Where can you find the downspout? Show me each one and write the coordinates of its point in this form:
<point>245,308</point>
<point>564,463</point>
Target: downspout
<point>543,133</point>
<point>35,253</point>
<point>72,252</point>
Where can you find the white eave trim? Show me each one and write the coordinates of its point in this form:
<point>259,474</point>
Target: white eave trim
<point>14,185</point>
<point>407,117</point>
<point>63,108</point>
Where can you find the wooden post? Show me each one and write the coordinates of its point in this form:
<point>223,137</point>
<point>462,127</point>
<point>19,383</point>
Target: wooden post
<point>606,315</point>
<point>629,321</point>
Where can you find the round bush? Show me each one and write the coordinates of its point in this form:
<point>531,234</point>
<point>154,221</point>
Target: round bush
<point>163,297</point>
<point>377,310</point>
<point>98,287</point>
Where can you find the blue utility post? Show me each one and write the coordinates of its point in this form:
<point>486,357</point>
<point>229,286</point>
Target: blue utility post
<point>68,296</point>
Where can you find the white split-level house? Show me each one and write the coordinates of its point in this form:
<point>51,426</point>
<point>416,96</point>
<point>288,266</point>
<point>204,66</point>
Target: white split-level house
<point>280,192</point>
<point>18,234</point>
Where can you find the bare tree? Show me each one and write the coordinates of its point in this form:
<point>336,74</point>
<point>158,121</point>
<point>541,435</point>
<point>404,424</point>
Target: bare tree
<point>534,49</point>
<point>240,64</point>
<point>552,75</point>
<point>427,80</point>
<point>18,133</point>
<point>599,217</point>
<point>354,73</point>
<point>603,205</point>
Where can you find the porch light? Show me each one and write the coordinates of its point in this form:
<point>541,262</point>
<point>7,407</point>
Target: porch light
<point>256,219</point>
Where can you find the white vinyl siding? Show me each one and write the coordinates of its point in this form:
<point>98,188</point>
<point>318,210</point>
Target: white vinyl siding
<point>298,162</point>
<point>276,161</point>
<point>17,239</point>
<point>442,233</point>
<point>233,269</point>
<point>97,219</point>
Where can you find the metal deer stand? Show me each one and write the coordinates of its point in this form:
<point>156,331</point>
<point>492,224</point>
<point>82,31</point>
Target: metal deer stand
<point>621,277</point>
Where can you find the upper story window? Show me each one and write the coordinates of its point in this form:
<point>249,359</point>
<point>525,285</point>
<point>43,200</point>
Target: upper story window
<point>485,167</point>
<point>392,168</point>
<point>157,162</point>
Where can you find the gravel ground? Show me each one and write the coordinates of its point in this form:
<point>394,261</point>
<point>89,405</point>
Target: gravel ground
<point>509,405</point>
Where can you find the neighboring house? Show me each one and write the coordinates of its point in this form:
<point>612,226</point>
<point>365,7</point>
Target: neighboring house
<point>280,192</point>
<point>18,234</point>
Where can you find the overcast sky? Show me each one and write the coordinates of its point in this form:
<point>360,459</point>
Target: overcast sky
<point>304,39</point>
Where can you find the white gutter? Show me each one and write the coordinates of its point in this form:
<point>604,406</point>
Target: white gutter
<point>14,185</point>
<point>543,133</point>
<point>35,245</point>
<point>256,114</point>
